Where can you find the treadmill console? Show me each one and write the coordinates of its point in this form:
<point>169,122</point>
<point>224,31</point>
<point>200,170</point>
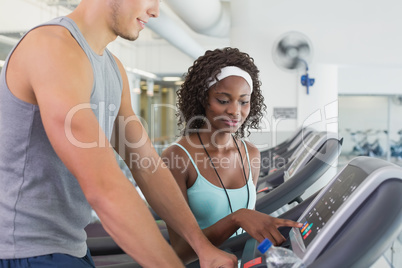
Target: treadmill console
<point>325,219</point>
<point>318,216</point>
<point>338,201</point>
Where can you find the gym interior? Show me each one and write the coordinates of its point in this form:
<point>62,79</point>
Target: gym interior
<point>325,67</point>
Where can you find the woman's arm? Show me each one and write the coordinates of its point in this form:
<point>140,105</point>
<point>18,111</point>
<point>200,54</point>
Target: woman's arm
<point>255,161</point>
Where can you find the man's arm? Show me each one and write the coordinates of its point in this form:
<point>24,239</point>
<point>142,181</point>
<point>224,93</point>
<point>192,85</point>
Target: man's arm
<point>158,185</point>
<point>61,84</point>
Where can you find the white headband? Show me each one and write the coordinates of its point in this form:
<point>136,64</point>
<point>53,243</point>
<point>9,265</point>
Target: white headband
<point>235,71</point>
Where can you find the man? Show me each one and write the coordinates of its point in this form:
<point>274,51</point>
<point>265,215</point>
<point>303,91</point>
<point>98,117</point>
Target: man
<point>60,92</point>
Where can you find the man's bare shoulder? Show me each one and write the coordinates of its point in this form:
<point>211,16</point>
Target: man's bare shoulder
<point>52,37</point>
<point>61,59</point>
<point>48,58</point>
<point>54,45</point>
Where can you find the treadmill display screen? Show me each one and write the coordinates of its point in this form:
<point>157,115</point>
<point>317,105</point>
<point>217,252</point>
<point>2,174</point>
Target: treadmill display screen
<point>344,185</point>
<point>306,150</point>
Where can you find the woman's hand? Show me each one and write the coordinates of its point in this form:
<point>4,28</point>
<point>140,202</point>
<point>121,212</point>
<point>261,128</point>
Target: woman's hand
<point>261,226</point>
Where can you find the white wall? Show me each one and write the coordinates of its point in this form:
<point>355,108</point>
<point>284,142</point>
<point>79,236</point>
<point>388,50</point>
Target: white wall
<point>319,108</point>
<point>356,50</point>
<point>359,34</point>
<point>358,80</point>
<point>256,25</point>
<point>21,15</point>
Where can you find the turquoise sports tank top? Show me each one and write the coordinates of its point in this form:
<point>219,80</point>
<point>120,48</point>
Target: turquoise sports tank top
<point>209,203</point>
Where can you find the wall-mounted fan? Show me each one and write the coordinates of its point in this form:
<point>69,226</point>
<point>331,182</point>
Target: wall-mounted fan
<point>292,51</point>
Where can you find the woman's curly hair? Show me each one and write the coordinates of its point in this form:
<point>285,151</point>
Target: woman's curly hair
<point>192,96</point>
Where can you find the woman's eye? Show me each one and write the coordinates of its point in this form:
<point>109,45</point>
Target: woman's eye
<point>222,101</point>
<point>244,102</point>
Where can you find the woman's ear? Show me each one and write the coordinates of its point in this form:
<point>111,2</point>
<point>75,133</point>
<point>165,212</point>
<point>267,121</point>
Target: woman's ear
<point>205,102</point>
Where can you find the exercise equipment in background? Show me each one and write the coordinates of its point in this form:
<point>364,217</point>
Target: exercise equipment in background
<point>286,148</point>
<point>287,184</point>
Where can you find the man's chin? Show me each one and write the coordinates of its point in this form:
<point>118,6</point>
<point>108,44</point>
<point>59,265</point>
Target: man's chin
<point>132,37</point>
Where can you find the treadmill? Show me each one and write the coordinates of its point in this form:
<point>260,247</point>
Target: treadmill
<point>287,147</point>
<point>280,160</point>
<point>106,253</point>
<point>287,184</point>
<point>329,148</point>
<point>284,161</point>
<point>351,222</point>
<point>318,156</point>
<point>105,247</point>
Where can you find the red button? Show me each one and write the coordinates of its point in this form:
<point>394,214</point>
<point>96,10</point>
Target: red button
<point>253,262</point>
<point>308,233</point>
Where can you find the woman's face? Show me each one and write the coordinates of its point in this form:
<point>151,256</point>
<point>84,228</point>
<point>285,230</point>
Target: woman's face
<point>228,104</point>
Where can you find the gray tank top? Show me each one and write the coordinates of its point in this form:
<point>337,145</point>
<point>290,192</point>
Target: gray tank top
<point>42,207</point>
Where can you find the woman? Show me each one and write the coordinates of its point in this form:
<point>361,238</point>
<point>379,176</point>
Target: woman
<point>219,101</point>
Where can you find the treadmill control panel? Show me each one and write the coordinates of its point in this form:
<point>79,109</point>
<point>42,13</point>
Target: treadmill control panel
<point>340,190</point>
<point>327,216</point>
